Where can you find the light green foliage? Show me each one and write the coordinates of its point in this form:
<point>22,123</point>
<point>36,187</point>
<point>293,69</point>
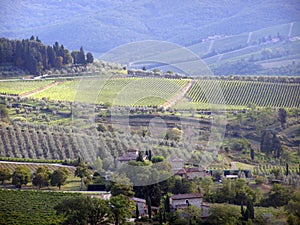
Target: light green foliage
<point>224,214</point>
<point>21,87</point>
<point>117,91</point>
<point>5,174</point>
<point>121,208</point>
<point>293,208</point>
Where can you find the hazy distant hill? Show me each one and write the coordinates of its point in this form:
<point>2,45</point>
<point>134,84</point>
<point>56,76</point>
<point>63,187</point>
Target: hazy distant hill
<point>100,25</point>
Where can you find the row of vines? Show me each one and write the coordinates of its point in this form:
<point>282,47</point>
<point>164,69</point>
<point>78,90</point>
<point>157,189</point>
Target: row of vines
<point>30,207</point>
<point>23,140</point>
<point>245,92</point>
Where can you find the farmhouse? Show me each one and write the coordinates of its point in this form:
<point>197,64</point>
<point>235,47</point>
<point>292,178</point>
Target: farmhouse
<point>181,201</point>
<point>192,173</point>
<point>132,154</point>
<point>141,204</point>
<point>177,164</point>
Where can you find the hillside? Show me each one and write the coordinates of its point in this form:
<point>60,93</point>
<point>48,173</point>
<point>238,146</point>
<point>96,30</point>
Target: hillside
<point>103,25</point>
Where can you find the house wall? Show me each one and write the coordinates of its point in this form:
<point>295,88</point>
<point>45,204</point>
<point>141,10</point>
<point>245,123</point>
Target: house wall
<point>192,175</point>
<point>177,164</point>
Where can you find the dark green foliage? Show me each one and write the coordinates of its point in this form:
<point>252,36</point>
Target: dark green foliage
<point>83,211</point>
<point>4,175</point>
<point>89,58</point>
<point>59,177</point>
<point>36,57</point>
<point>278,196</point>
<point>3,113</point>
<point>120,207</point>
<point>282,116</point>
<point>223,214</point>
<point>137,212</point>
<point>41,177</point>
<point>249,212</point>
<point>270,143</point>
<point>21,176</point>
<point>148,202</point>
<point>252,153</point>
<point>30,207</point>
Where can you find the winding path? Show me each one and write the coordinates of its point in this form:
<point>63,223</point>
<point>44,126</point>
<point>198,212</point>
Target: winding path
<point>170,102</point>
<point>29,93</point>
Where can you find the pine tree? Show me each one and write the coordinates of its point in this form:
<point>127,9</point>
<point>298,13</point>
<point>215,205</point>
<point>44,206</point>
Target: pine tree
<point>81,56</point>
<point>148,202</point>
<point>252,153</point>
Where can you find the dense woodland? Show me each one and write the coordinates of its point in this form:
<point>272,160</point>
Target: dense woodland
<point>37,58</point>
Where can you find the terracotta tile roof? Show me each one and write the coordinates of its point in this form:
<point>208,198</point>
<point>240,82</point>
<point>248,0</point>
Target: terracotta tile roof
<point>180,171</point>
<point>128,157</point>
<point>194,169</point>
<point>186,196</point>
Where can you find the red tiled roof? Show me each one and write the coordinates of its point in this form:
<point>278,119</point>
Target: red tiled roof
<point>181,171</point>
<point>128,157</point>
<point>186,196</point>
<point>195,169</point>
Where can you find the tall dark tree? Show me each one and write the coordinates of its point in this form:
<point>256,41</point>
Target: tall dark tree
<point>282,116</point>
<point>276,145</point>
<point>149,208</point>
<point>252,153</point>
<point>286,169</point>
<point>74,55</point>
<point>81,56</point>
<point>266,142</point>
<point>89,57</point>
<point>51,56</point>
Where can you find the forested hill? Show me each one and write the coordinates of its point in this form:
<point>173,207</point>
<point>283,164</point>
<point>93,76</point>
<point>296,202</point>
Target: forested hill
<point>35,57</point>
<point>102,25</point>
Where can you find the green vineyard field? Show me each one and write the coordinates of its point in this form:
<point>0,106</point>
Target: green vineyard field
<point>243,93</point>
<point>119,91</point>
<point>30,207</point>
<point>21,87</point>
<point>230,94</point>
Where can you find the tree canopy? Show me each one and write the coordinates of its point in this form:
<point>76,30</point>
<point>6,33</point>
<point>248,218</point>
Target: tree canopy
<point>36,57</point>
